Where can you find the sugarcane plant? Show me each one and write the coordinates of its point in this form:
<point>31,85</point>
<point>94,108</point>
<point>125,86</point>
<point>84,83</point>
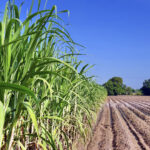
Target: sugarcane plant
<point>46,99</point>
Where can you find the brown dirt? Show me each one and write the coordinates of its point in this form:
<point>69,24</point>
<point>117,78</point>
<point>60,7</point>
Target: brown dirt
<point>124,124</point>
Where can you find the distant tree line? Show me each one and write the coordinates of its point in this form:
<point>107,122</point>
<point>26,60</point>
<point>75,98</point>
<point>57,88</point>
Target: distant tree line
<point>115,86</point>
<point>146,87</point>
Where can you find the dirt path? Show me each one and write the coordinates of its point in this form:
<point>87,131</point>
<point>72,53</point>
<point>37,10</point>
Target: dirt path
<point>124,124</point>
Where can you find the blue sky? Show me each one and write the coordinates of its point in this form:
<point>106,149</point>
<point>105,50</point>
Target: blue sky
<point>116,34</point>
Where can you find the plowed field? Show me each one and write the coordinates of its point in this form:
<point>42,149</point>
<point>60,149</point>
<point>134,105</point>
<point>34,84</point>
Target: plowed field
<point>123,124</point>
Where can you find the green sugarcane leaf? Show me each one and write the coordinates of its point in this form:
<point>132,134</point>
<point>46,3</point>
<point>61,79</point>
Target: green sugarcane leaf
<point>2,118</point>
<point>27,105</point>
<point>19,88</point>
<point>52,59</point>
<point>52,117</point>
<point>21,145</point>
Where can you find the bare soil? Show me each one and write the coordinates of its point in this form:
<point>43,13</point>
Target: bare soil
<point>124,124</point>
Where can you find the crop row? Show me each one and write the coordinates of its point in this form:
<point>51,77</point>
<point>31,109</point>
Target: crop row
<point>127,124</point>
<point>46,100</point>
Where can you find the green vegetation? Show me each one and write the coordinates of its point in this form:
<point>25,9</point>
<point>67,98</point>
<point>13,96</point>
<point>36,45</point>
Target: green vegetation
<point>115,86</point>
<point>138,92</point>
<point>146,87</point>
<point>46,101</point>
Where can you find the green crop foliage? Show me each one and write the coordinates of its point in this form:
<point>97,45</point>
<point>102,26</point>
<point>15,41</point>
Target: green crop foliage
<point>46,100</point>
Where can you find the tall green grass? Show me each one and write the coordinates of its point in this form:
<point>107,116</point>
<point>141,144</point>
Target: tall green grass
<point>46,100</point>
